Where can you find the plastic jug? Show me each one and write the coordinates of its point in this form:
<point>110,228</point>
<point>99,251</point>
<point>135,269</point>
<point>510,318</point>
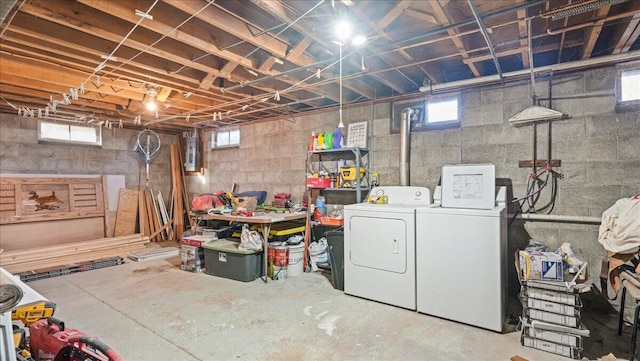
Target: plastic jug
<point>337,138</point>
<point>328,140</point>
<point>321,141</point>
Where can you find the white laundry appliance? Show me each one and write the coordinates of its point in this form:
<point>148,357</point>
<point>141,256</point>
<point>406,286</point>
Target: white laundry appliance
<point>461,254</point>
<point>380,243</point>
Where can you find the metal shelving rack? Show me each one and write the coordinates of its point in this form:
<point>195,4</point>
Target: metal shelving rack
<point>360,156</point>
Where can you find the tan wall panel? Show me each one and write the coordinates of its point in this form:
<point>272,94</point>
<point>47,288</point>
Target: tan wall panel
<point>38,234</point>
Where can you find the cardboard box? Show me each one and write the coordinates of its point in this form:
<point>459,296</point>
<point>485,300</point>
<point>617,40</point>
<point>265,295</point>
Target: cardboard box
<point>192,258</point>
<point>197,240</point>
<point>540,265</point>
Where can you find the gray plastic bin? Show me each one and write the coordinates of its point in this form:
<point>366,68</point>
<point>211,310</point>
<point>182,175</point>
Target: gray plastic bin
<point>223,258</point>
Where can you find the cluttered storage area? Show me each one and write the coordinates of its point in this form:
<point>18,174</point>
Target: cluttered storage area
<point>319,180</point>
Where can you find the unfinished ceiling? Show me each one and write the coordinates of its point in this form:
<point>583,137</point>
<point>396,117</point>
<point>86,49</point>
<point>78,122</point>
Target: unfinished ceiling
<point>223,62</point>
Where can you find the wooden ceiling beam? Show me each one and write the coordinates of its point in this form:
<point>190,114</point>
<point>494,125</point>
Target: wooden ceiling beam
<point>522,30</point>
<point>422,15</point>
<point>127,13</point>
<point>234,26</point>
<point>54,11</point>
<point>539,49</point>
<point>70,78</point>
<point>45,10</point>
<point>393,82</point>
<point>393,14</point>
<point>443,19</point>
<point>41,91</point>
<point>61,46</point>
<point>631,31</point>
<point>592,33</point>
<point>119,10</point>
<point>299,49</point>
<point>275,8</point>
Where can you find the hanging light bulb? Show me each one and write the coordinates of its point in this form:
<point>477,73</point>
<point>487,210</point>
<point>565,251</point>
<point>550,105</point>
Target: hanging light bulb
<point>340,124</point>
<point>343,30</point>
<point>151,102</point>
<point>358,40</point>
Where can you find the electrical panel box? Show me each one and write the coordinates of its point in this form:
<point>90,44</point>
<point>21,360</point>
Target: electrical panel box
<point>191,156</point>
<point>469,186</point>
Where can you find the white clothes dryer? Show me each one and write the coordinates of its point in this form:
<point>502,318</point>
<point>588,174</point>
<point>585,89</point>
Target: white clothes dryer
<point>380,244</point>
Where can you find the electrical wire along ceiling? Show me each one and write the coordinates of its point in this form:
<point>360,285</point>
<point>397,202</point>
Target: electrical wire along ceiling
<point>178,64</point>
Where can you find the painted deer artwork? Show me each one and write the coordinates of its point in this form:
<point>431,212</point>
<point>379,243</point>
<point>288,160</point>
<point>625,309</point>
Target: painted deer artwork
<point>45,203</point>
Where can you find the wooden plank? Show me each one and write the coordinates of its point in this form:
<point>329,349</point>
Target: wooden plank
<point>71,198</point>
<point>25,218</point>
<point>165,217</point>
<point>121,251</point>
<point>126,214</point>
<point>8,200</point>
<point>156,212</point>
<point>49,180</point>
<point>27,255</point>
<point>38,234</point>
<point>142,215</point>
<point>153,216</point>
<point>91,203</point>
<point>8,192</point>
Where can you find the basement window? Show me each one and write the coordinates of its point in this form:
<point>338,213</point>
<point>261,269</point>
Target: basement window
<point>630,86</point>
<point>439,112</point>
<point>225,138</point>
<point>628,90</point>
<point>67,133</point>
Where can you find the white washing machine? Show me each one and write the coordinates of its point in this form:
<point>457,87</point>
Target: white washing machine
<point>379,246</point>
<point>461,265</point>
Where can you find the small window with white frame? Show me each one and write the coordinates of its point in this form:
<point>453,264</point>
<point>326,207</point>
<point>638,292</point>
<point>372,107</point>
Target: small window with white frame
<point>628,89</point>
<point>437,112</point>
<point>225,138</point>
<point>69,133</point>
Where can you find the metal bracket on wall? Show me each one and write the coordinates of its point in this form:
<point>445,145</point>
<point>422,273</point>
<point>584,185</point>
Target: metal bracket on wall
<point>539,163</point>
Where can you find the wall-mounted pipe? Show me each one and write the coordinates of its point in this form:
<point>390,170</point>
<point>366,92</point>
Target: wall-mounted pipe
<point>405,145</point>
<point>574,65</point>
<point>592,23</point>
<point>558,218</point>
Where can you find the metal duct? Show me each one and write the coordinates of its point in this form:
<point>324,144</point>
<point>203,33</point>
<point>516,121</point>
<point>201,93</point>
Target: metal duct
<point>405,145</point>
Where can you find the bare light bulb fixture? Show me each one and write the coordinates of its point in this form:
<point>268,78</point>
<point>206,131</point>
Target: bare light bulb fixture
<point>151,102</point>
<point>343,32</point>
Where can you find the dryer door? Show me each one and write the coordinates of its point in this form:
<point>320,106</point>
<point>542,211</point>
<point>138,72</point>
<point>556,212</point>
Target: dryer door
<point>379,243</point>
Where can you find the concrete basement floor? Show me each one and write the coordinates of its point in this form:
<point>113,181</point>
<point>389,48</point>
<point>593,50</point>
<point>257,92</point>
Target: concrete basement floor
<point>153,311</point>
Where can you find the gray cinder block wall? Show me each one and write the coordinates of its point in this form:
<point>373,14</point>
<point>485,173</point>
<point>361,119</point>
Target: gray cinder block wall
<point>21,153</point>
<point>599,150</point>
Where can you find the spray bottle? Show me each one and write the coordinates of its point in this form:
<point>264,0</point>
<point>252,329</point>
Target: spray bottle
<point>313,141</point>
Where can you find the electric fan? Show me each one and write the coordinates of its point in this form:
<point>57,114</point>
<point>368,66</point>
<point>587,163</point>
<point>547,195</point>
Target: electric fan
<point>147,144</point>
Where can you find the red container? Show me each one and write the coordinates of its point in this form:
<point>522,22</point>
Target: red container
<point>313,182</point>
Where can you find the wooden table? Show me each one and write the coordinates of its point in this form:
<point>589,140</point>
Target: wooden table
<point>266,221</point>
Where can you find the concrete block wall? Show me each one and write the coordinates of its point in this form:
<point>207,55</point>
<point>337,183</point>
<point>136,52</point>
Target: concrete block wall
<point>21,153</point>
<point>599,150</point>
